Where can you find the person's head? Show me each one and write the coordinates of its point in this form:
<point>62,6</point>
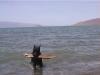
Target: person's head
<point>36,50</point>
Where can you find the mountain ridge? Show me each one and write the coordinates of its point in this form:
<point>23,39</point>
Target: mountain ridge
<point>95,21</point>
<point>7,24</point>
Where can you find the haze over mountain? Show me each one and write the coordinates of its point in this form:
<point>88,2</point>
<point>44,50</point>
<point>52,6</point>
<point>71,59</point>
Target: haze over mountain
<point>91,22</point>
<point>5,24</point>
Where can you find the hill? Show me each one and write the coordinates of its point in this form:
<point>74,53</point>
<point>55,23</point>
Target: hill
<point>95,21</point>
<point>5,24</point>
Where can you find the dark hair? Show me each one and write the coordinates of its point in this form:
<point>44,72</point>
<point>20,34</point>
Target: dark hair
<point>36,51</point>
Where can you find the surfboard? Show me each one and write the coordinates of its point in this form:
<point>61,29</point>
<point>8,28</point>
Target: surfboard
<point>43,55</point>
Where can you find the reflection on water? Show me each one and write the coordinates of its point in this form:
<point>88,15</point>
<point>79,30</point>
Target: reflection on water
<point>38,71</point>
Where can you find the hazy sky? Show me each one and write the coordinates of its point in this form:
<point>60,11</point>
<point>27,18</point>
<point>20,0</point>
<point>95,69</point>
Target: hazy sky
<point>49,12</point>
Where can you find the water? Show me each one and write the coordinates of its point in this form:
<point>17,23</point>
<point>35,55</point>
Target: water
<point>77,49</point>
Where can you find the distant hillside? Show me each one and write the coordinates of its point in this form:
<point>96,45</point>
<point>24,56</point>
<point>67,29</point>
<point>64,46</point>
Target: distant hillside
<point>4,24</point>
<point>89,22</point>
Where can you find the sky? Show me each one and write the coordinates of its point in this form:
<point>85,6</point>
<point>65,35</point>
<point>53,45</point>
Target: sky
<point>49,12</point>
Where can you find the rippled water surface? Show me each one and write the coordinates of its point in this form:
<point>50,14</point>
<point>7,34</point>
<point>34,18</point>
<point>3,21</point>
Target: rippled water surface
<point>77,49</point>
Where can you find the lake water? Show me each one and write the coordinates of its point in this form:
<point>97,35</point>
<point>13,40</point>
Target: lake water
<point>77,49</point>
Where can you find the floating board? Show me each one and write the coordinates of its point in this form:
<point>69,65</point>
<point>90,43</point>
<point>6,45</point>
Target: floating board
<point>43,56</point>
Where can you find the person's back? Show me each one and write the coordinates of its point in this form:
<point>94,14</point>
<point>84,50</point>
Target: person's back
<point>35,60</point>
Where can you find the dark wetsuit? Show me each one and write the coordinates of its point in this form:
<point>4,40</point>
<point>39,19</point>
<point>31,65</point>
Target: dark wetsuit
<point>35,60</point>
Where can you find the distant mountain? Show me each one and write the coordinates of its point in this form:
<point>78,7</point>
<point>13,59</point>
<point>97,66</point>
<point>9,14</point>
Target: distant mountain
<point>95,21</point>
<point>5,24</point>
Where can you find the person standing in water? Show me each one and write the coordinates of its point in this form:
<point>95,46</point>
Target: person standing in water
<point>36,60</point>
